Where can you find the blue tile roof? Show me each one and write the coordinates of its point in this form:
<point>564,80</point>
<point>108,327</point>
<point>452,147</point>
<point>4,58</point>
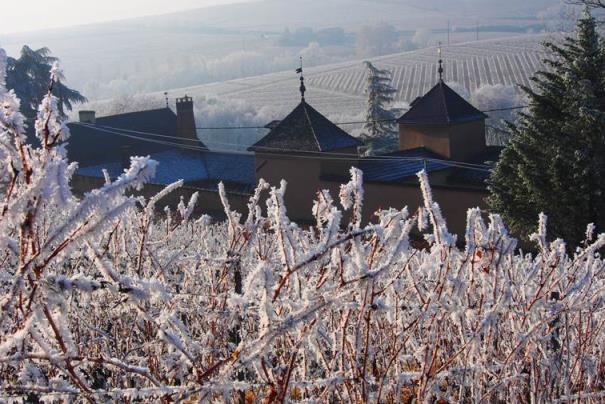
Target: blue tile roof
<point>401,165</point>
<point>230,167</point>
<point>190,166</point>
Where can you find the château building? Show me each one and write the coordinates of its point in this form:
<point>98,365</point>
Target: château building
<point>441,133</point>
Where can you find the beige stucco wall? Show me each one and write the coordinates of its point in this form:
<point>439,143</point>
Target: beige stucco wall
<point>454,202</point>
<point>458,142</point>
<point>338,162</point>
<point>303,177</point>
<point>301,174</point>
<point>467,140</point>
<point>433,137</point>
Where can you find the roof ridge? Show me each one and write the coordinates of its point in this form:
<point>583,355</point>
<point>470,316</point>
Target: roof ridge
<point>135,112</point>
<point>441,105</point>
<point>304,105</point>
<point>447,112</point>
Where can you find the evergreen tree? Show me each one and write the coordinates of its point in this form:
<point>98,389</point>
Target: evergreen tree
<point>29,77</point>
<point>380,122</point>
<point>589,3</point>
<point>555,161</point>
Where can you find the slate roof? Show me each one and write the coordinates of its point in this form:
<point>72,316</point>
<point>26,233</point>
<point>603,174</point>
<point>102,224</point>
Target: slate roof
<point>441,106</point>
<point>94,145</point>
<point>230,167</point>
<point>305,129</point>
<point>400,165</point>
<point>190,166</point>
<point>272,124</point>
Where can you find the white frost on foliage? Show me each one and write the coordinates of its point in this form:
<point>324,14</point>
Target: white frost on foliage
<point>101,298</point>
<point>186,211</point>
<point>590,228</point>
<point>49,122</point>
<point>141,170</point>
<point>56,73</point>
<point>440,231</point>
<point>540,235</point>
<point>2,72</point>
<point>351,196</point>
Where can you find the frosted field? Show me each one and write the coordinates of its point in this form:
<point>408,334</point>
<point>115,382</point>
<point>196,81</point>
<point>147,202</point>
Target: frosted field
<point>338,89</point>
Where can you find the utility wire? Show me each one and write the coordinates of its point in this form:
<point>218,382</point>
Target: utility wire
<point>354,122</point>
<point>315,156</point>
<point>196,146</point>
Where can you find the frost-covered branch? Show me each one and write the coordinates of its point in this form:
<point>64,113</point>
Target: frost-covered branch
<point>109,297</point>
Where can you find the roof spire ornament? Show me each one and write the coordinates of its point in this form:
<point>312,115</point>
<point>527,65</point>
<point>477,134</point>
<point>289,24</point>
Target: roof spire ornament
<point>440,70</point>
<point>302,80</point>
<point>166,96</point>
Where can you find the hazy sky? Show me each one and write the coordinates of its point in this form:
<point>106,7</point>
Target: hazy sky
<point>29,15</point>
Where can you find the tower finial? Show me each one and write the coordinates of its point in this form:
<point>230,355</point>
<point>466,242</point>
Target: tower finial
<point>166,96</point>
<point>440,70</point>
<point>302,80</point>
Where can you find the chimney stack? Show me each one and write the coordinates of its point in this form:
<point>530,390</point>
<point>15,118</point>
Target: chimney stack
<point>88,117</point>
<point>185,120</point>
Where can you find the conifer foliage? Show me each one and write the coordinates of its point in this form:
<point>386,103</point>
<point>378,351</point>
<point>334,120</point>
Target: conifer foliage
<point>380,121</point>
<point>555,161</point>
<point>28,76</point>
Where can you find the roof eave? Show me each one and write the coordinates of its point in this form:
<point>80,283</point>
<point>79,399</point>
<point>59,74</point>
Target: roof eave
<point>447,122</point>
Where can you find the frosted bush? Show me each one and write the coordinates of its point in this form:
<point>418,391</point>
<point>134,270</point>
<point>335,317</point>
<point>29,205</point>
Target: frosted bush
<point>107,298</point>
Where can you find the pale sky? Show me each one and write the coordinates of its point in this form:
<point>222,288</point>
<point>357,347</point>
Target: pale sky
<point>30,15</point>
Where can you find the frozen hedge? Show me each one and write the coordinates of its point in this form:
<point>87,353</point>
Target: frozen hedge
<point>109,297</point>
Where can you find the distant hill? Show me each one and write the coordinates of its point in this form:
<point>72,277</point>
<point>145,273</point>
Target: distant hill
<point>405,14</point>
<point>338,89</point>
<point>239,40</point>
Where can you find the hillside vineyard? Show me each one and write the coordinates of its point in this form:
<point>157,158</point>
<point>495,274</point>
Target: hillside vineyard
<point>339,89</point>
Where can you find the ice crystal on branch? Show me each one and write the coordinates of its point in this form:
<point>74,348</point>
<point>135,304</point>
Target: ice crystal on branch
<point>2,71</point>
<point>109,297</point>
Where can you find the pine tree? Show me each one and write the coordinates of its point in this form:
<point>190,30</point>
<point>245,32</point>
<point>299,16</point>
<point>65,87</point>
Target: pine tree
<point>380,121</point>
<point>555,161</point>
<point>29,77</point>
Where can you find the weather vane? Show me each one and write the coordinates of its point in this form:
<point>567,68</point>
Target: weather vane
<point>302,79</point>
<point>440,70</point>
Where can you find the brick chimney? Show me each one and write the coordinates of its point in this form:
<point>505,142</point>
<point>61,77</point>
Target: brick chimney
<point>185,119</point>
<point>88,117</point>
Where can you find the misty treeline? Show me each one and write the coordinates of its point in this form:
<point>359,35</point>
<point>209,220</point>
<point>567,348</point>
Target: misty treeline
<point>254,57</point>
<point>224,112</point>
<point>247,57</point>
<point>188,69</point>
<point>112,298</point>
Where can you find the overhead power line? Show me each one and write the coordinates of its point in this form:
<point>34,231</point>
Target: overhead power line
<point>195,146</point>
<point>353,122</point>
<point>309,155</point>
